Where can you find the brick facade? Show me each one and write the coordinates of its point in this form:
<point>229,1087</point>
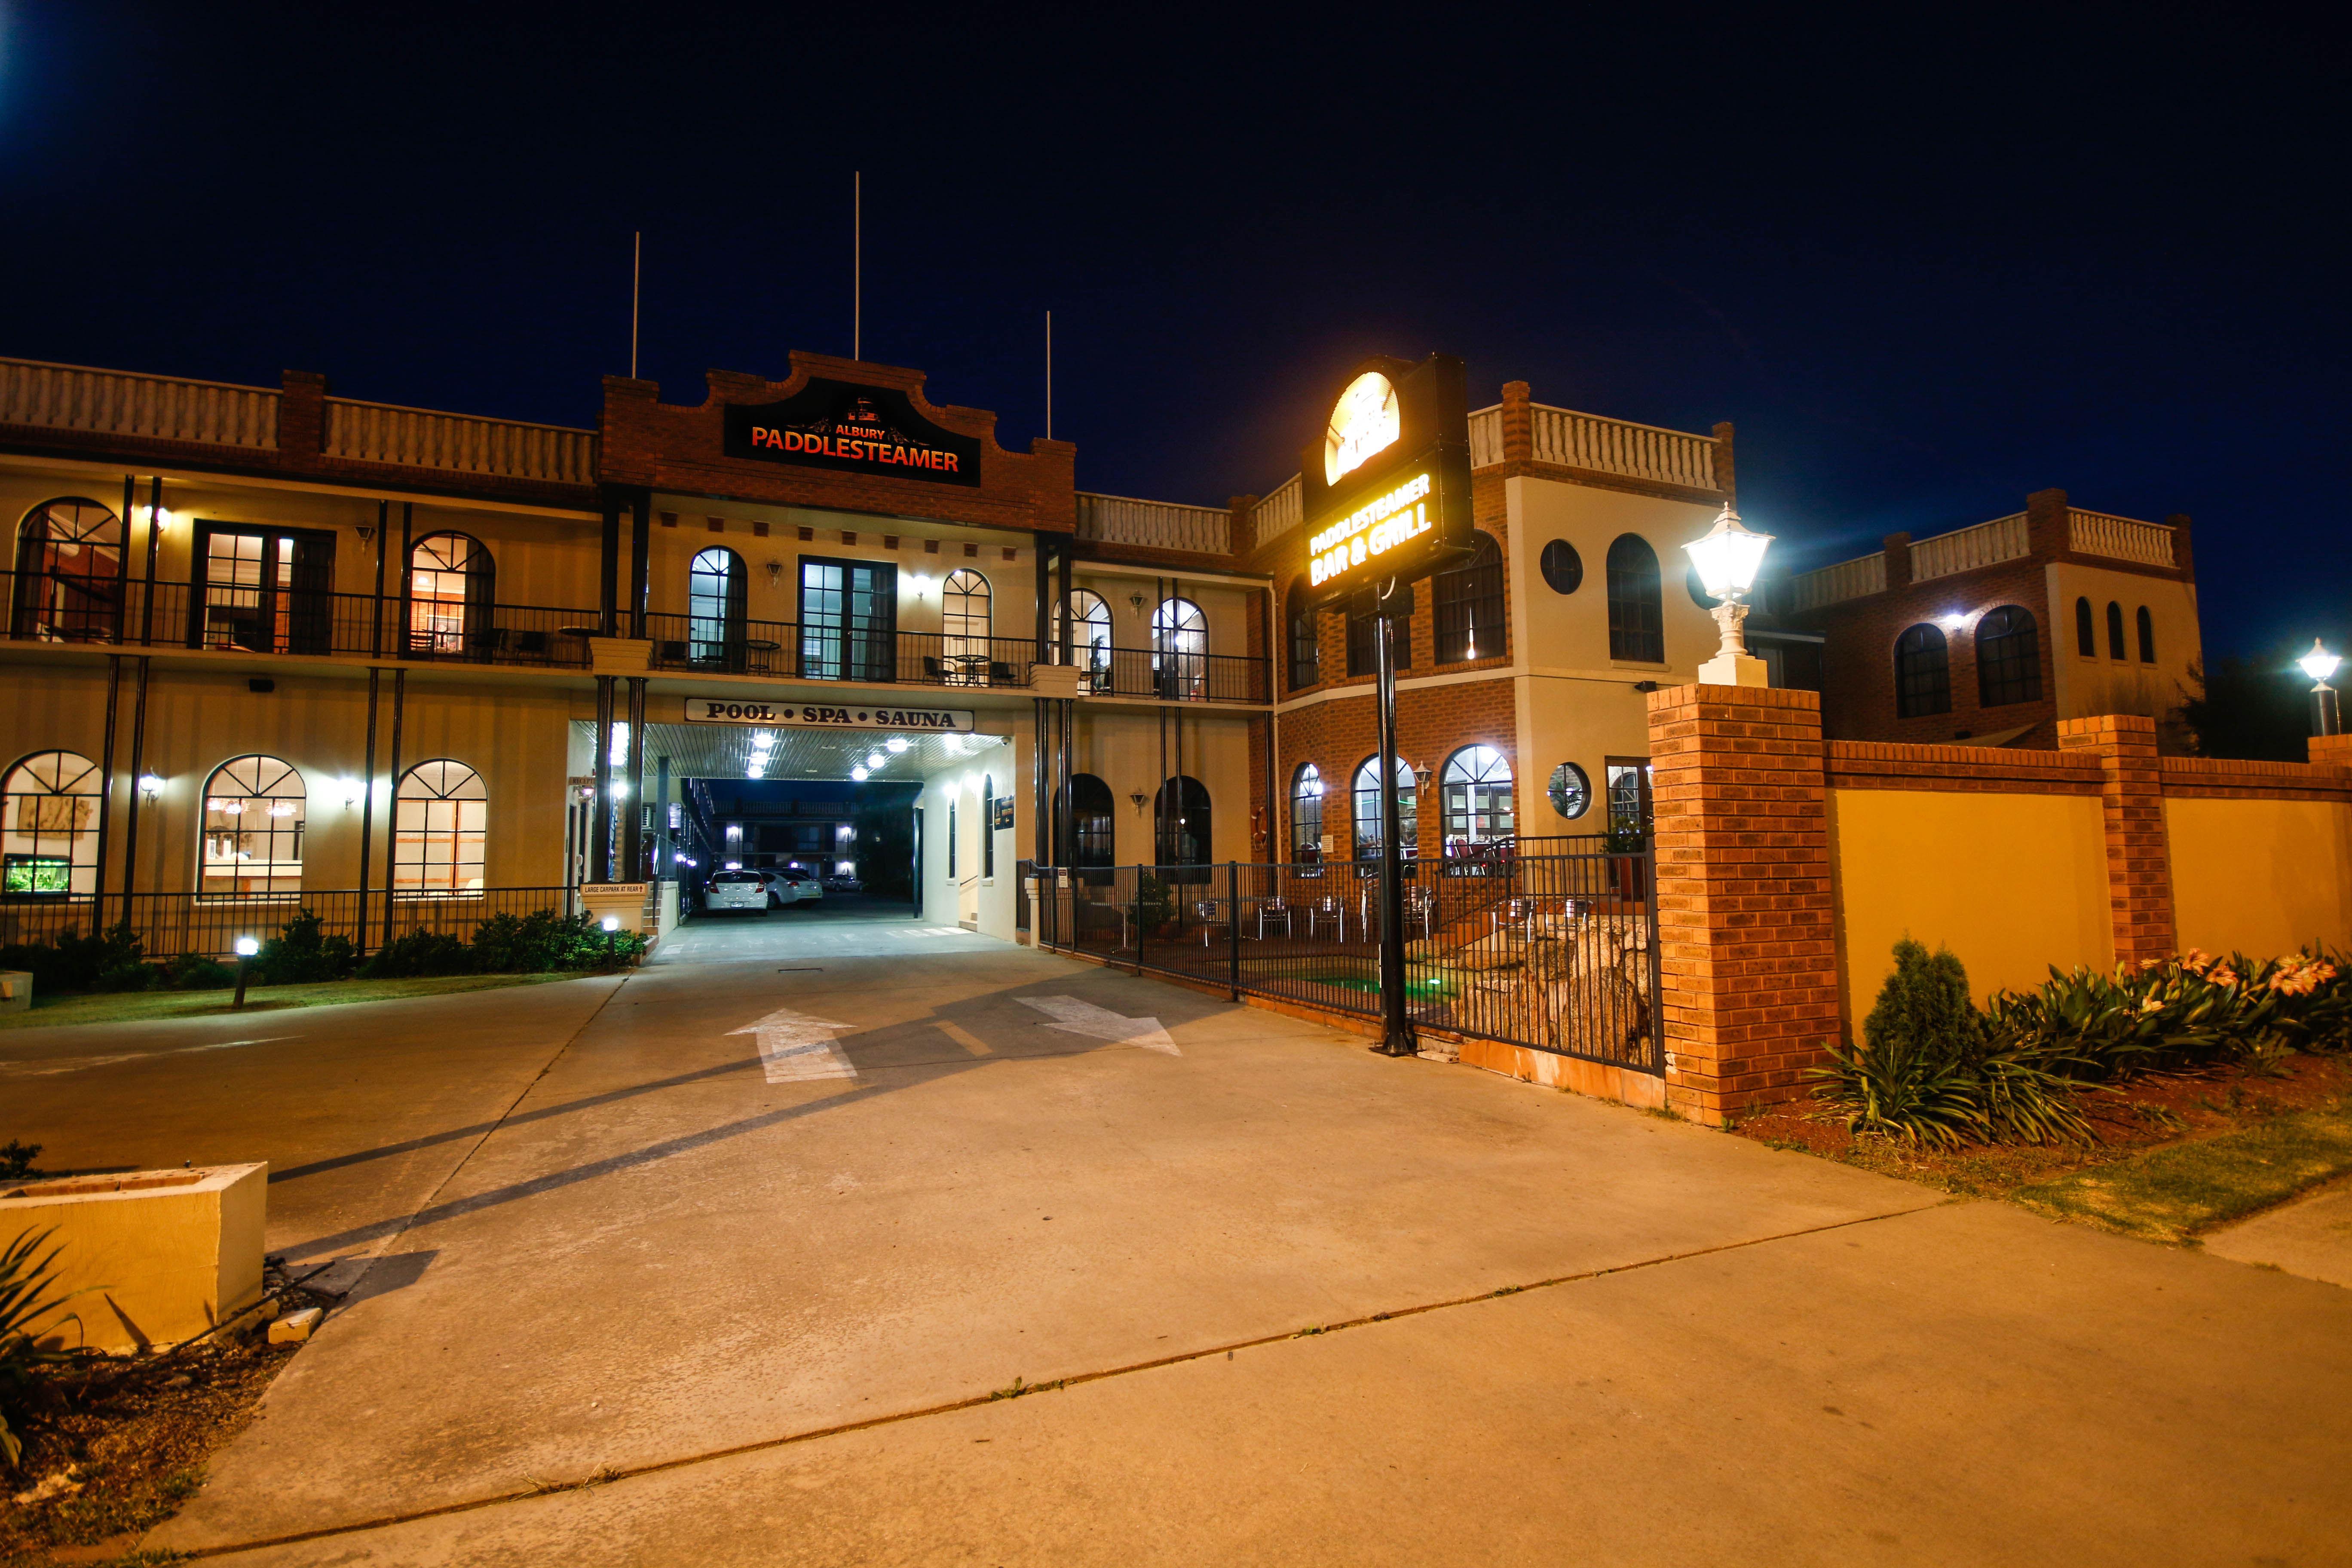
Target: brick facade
<point>1744,915</point>
<point>1433,724</point>
<point>2139,863</point>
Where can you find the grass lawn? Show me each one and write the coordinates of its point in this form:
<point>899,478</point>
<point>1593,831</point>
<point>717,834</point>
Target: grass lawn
<point>142,1006</point>
<point>2178,1155</point>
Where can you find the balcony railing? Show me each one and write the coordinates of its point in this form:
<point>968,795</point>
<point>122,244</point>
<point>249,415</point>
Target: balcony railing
<point>1966,549</point>
<point>116,403</point>
<point>1833,585</point>
<point>1279,513</point>
<point>1155,525</point>
<point>2120,538</point>
<point>1486,436</point>
<point>1620,446</point>
<point>1173,677</point>
<point>458,443</point>
<point>56,609</point>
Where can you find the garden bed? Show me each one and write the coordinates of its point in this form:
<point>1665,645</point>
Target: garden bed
<point>2178,1152</point>
<point>144,1007</point>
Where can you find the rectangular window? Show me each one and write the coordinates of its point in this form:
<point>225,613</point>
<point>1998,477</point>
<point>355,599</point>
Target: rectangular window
<point>849,619</point>
<point>1629,794</point>
<point>1364,646</point>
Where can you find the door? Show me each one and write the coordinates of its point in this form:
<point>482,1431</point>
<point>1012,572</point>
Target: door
<point>849,619</point>
<point>266,590</point>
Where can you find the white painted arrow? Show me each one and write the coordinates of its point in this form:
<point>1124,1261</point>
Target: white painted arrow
<point>795,1047</point>
<point>1072,1016</point>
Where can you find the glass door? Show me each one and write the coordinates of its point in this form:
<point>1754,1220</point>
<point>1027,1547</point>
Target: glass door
<point>264,590</point>
<point>849,620</point>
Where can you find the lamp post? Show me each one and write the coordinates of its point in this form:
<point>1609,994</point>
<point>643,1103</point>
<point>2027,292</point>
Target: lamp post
<point>612,939</point>
<point>1727,557</point>
<point>2319,664</point>
<point>245,948</point>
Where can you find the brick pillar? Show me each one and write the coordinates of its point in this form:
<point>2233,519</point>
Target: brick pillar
<point>1897,548</point>
<point>1726,475</point>
<point>2183,556</point>
<point>1744,915</point>
<point>1519,423</point>
<point>2048,531</point>
<point>2139,859</point>
<point>2330,750</point>
<point>301,417</point>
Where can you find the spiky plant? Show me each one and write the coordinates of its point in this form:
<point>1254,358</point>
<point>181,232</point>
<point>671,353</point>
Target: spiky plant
<point>27,1283</point>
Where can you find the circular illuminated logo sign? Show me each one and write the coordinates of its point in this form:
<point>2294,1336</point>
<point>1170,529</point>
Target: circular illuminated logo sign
<point>1365,421</point>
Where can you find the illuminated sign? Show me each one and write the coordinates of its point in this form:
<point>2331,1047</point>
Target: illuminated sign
<point>1397,518</point>
<point>1366,420</point>
<point>850,429</point>
<point>827,716</point>
<point>1386,493</point>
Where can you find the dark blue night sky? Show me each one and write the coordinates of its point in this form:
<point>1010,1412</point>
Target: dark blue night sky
<point>1926,262</point>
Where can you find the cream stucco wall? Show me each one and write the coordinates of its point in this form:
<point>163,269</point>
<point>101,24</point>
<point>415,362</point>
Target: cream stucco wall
<point>2012,883</point>
<point>2100,683</point>
<point>2260,877</point>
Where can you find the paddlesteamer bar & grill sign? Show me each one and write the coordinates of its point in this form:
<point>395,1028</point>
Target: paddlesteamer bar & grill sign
<point>1387,490</point>
<point>854,429</point>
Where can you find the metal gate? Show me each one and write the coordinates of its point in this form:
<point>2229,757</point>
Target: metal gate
<point>1555,951</point>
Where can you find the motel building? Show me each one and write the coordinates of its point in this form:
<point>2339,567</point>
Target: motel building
<point>269,647</point>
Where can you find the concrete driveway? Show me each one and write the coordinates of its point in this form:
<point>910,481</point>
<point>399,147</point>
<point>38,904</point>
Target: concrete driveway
<point>755,1233</point>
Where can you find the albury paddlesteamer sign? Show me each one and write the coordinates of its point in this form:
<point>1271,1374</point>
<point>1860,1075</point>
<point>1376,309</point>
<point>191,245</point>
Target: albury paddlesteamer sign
<point>855,429</point>
<point>827,716</point>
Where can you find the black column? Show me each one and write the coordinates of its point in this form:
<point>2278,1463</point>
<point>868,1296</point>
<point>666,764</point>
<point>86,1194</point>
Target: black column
<point>1396,1028</point>
<point>106,785</point>
<point>633,806</point>
<point>154,508</point>
<point>130,818</point>
<point>367,773</point>
<point>392,814</point>
<point>608,574</point>
<point>382,543</point>
<point>640,552</point>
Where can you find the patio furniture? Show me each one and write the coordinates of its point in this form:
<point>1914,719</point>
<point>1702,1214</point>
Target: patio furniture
<point>1272,909</point>
<point>1204,911</point>
<point>1331,911</point>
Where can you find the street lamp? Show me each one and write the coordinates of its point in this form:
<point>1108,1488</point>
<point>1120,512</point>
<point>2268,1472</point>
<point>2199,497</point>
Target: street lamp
<point>611,928</point>
<point>245,948</point>
<point>2319,664</point>
<point>1728,558</point>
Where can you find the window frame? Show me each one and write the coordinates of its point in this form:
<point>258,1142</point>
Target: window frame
<point>1306,813</point>
<point>1637,602</point>
<point>2009,661</point>
<point>2116,649</point>
<point>1364,809</point>
<point>1466,600</point>
<point>267,789</point>
<point>441,790</point>
<point>1927,692</point>
<point>2086,627</point>
<point>2147,628</point>
<point>1459,798</point>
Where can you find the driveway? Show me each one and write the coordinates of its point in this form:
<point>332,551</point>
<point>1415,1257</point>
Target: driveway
<point>754,1238</point>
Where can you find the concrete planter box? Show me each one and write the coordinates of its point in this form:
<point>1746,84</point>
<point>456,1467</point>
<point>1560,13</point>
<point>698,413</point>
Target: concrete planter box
<point>15,990</point>
<point>170,1252</point>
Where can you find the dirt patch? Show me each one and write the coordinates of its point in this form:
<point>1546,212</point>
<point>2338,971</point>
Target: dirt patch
<point>2140,1125</point>
<point>115,1446</point>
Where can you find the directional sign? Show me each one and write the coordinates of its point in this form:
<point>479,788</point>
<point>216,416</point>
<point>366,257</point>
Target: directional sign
<point>796,1048</point>
<point>1072,1016</point>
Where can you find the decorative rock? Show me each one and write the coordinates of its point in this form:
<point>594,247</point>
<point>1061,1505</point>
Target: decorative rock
<point>294,1327</point>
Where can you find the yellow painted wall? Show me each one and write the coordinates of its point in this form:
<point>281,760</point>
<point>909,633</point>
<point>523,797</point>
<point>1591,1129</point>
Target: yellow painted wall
<point>2011,883</point>
<point>2260,877</point>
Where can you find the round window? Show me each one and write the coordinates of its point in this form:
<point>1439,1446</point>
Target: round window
<point>1570,791</point>
<point>1561,567</point>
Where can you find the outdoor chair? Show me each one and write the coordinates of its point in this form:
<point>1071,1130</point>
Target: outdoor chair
<point>1330,912</point>
<point>1274,909</point>
<point>1204,910</point>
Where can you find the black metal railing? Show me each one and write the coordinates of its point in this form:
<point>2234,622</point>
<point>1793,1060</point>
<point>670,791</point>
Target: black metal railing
<point>1170,676</point>
<point>1554,952</point>
<point>43,608</point>
<point>170,925</point>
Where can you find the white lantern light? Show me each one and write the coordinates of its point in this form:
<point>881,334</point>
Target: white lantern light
<point>2318,664</point>
<point>1727,557</point>
<point>246,947</point>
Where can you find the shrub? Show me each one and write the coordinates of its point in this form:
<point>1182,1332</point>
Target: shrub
<point>101,961</point>
<point>1932,1069</point>
<point>543,941</point>
<point>302,954</point>
<point>194,971</point>
<point>17,1160</point>
<point>420,952</point>
<point>25,1284</point>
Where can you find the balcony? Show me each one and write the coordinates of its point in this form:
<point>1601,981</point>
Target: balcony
<point>72,398</point>
<point>459,444</point>
<point>60,609</point>
<point>785,650</point>
<point>1155,525</point>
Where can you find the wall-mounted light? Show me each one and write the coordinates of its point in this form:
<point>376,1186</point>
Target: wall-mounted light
<point>1954,623</point>
<point>161,520</point>
<point>775,570</point>
<point>1136,600</point>
<point>1138,798</point>
<point>619,789</point>
<point>352,790</point>
<point>151,786</point>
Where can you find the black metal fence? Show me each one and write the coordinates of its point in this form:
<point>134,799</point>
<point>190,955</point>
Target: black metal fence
<point>1557,952</point>
<point>169,925</point>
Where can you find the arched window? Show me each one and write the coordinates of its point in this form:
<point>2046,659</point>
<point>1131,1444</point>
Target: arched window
<point>1637,614</point>
<point>440,824</point>
<point>68,573</point>
<point>1305,639</point>
<point>2009,658</point>
<point>715,590</point>
<point>2147,637</point>
<point>1367,809</point>
<point>964,628</point>
<point>2115,630</point>
<point>1475,791</point>
<point>1467,605</point>
<point>2087,631</point>
<point>451,587</point>
<point>1181,818</point>
<point>253,811</point>
<point>1923,673</point>
<point>1364,641</point>
<point>48,827</point>
<point>1562,567</point>
<point>1179,648</point>
<point>1091,847</point>
<point>1306,814</point>
<point>1089,631</point>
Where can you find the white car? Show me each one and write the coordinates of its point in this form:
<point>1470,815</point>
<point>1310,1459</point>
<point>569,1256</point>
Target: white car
<point>810,889</point>
<point>735,890</point>
<point>781,889</point>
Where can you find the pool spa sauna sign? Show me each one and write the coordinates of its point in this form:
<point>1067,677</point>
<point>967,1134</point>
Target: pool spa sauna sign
<point>852,430</point>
